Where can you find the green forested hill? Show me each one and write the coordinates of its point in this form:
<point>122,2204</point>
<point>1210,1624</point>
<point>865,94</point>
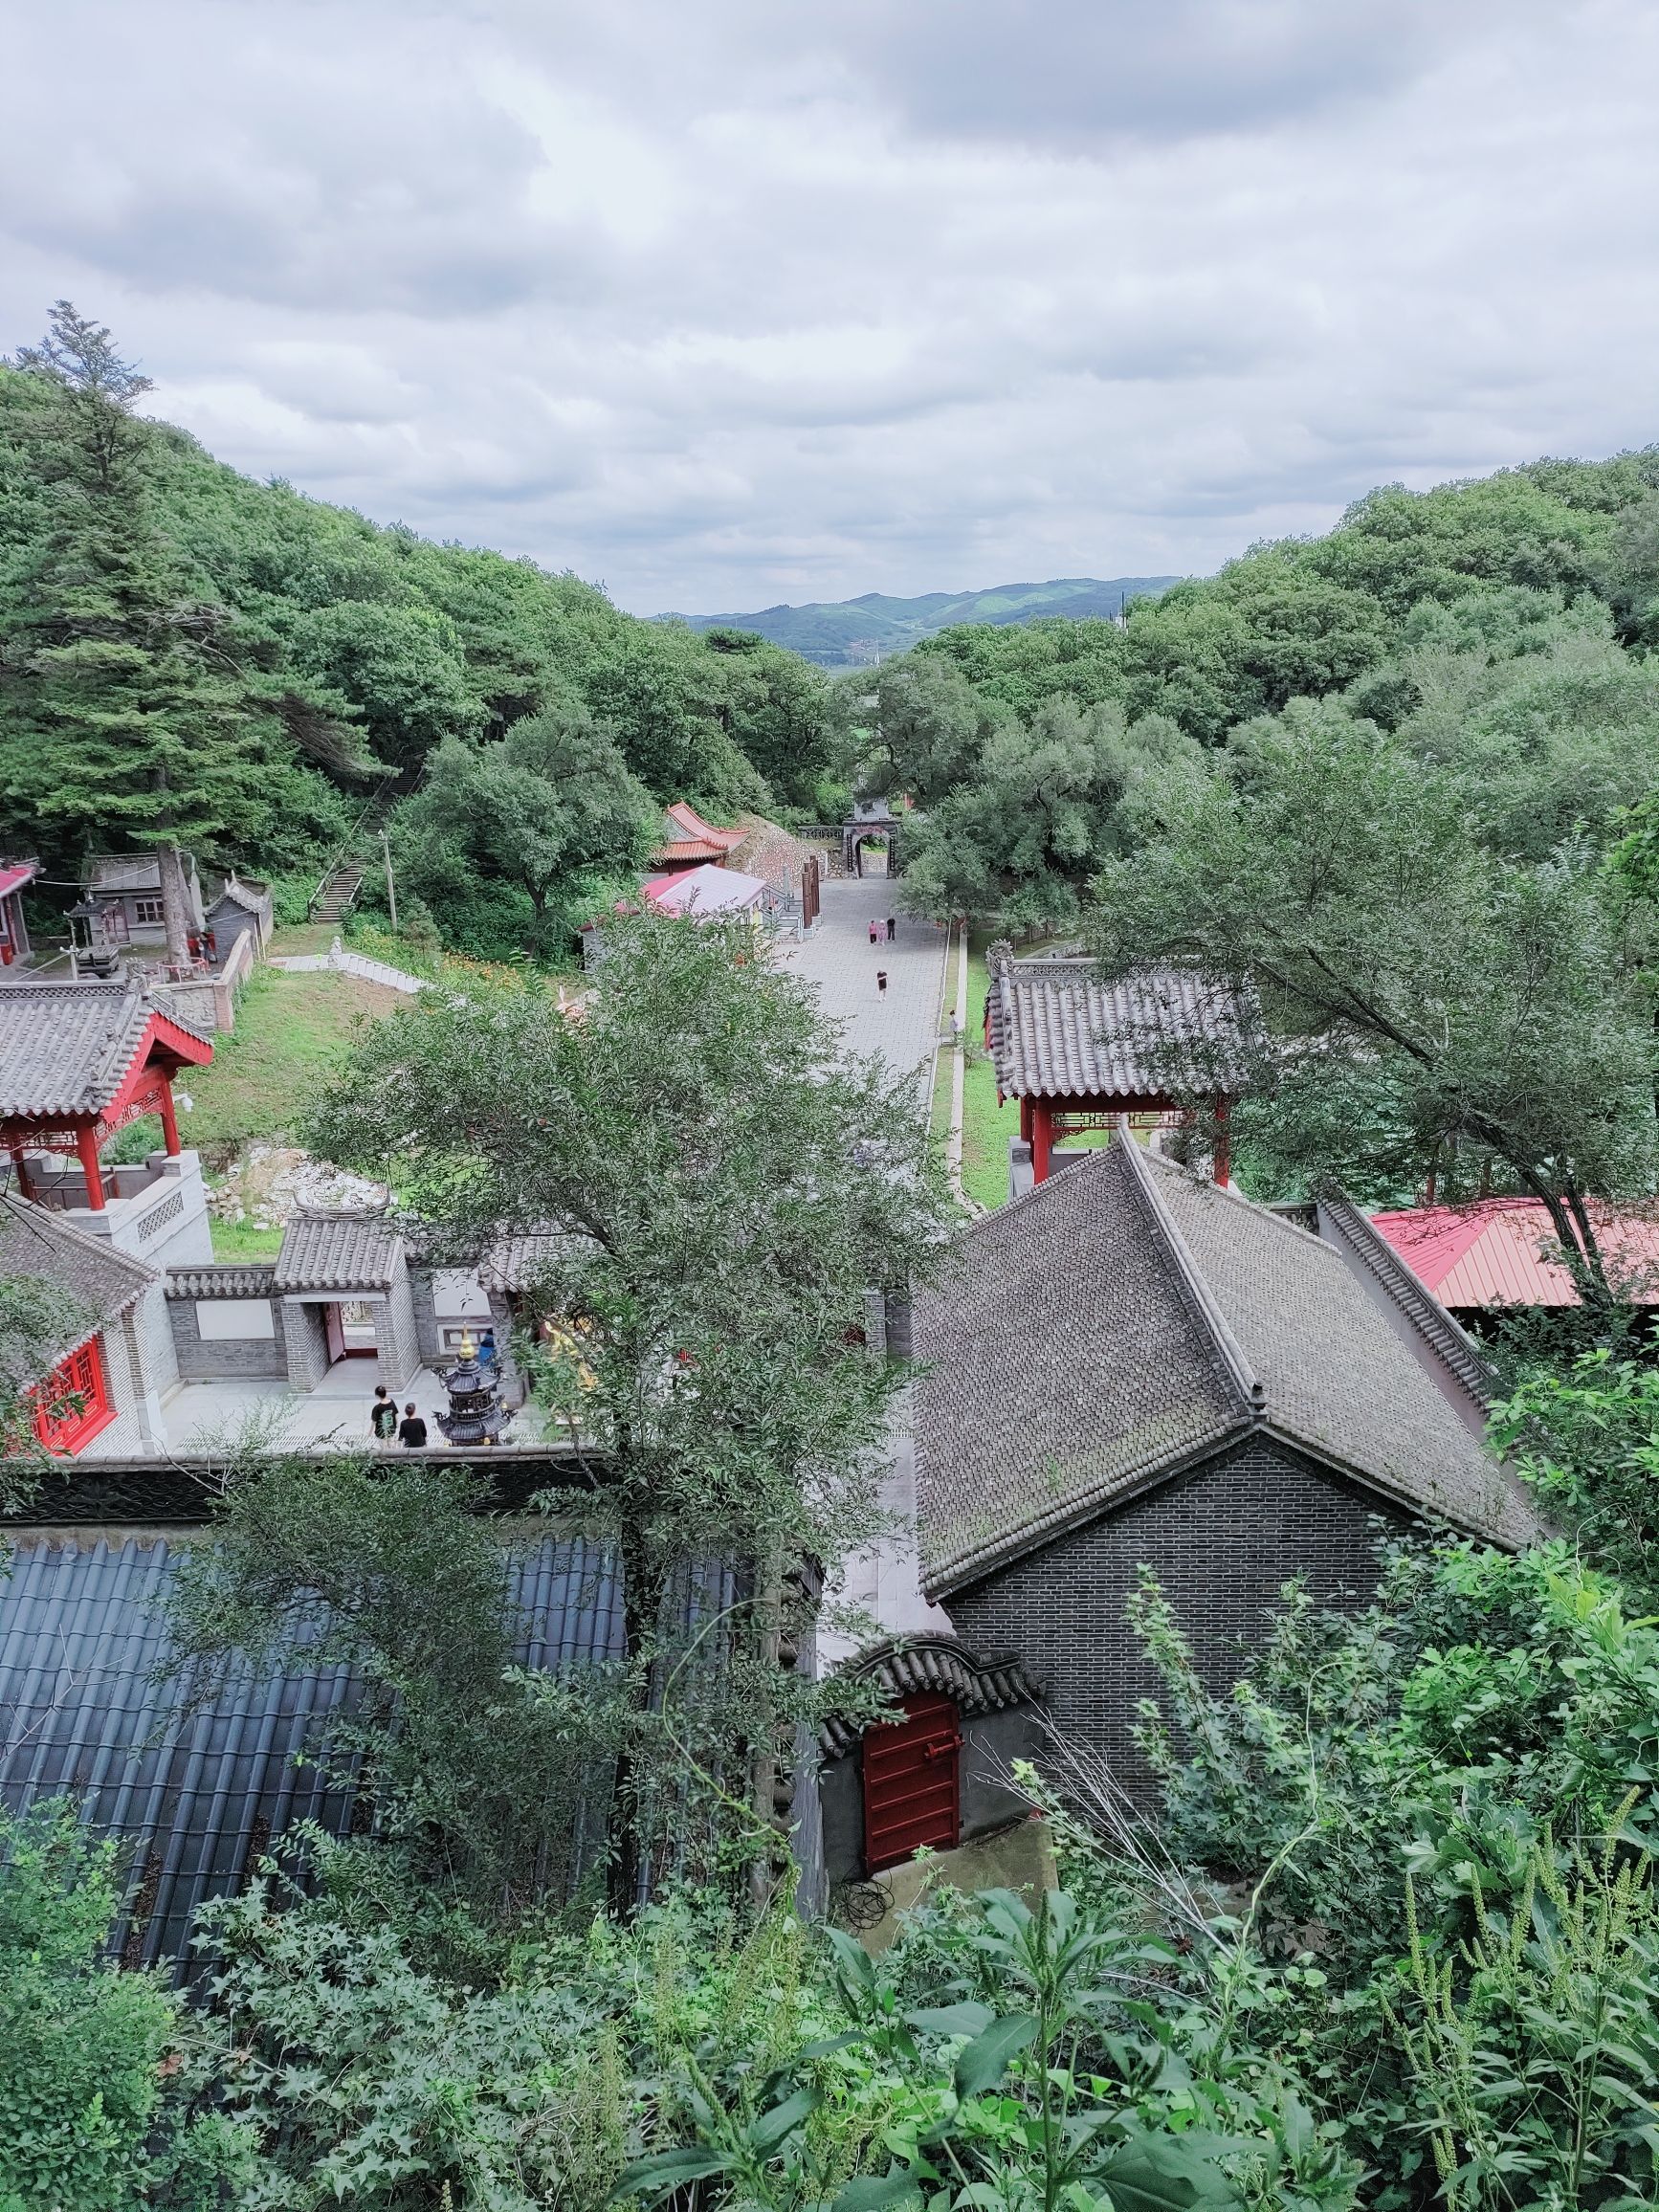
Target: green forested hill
<point>188,656</point>
<point>1507,622</point>
<point>341,652</point>
<point>848,633</point>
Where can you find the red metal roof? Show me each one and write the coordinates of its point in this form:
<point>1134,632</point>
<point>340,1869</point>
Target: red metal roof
<point>14,874</point>
<point>1491,1253</point>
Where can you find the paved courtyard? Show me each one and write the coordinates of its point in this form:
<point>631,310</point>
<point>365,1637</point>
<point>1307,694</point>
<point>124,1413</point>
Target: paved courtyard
<point>213,1416</point>
<point>900,1024</point>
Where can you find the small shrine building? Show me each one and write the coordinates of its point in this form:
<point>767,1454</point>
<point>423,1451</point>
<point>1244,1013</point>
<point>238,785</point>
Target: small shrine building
<point>1080,1054</point>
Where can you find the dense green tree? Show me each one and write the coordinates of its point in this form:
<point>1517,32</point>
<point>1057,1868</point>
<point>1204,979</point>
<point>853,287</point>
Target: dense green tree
<point>663,692</point>
<point>392,1570</point>
<point>926,725</point>
<point>90,2117</point>
<point>131,718</point>
<point>1014,845</point>
<point>779,710</point>
<point>550,812</point>
<point>715,1187</point>
<point>401,668</point>
<point>1332,876</point>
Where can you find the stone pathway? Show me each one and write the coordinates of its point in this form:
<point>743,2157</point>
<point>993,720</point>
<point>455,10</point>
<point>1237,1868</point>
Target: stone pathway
<point>902,1023</point>
<point>353,963</point>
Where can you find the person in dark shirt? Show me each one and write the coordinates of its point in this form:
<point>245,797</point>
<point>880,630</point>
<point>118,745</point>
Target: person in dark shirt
<point>892,927</point>
<point>383,1415</point>
<point>411,1430</point>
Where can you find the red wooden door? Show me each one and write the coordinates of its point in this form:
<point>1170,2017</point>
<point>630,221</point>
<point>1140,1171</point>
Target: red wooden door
<point>334,1328</point>
<point>912,1783</point>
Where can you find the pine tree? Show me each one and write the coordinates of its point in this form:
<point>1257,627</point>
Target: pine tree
<point>126,716</point>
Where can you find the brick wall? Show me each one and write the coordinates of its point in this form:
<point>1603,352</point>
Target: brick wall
<point>1222,1542</point>
<point>304,1342</point>
<point>211,1358</point>
<point>394,1326</point>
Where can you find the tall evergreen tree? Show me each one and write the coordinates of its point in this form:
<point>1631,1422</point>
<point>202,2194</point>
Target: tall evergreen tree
<point>126,712</point>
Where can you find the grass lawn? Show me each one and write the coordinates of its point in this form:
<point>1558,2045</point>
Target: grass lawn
<point>290,1029</point>
<point>986,1126</point>
<point>240,1240</point>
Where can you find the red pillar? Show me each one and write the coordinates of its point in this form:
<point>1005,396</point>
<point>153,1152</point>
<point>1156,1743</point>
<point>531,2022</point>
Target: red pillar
<point>1042,1139</point>
<point>86,1144</point>
<point>20,1162</point>
<point>169,1116</point>
<point>1024,1121</point>
<point>1222,1154</point>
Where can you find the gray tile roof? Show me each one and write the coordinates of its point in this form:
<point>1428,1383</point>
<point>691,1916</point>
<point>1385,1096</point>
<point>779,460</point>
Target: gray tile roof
<point>124,871</point>
<point>1124,1320</point>
<point>198,1795</point>
<point>336,1252</point>
<point>231,1280</point>
<point>519,1260</point>
<point>1338,1377</point>
<point>237,890</point>
<point>65,1048</point>
<point>106,1282</point>
<point>1065,1365</point>
<point>1056,1029</point>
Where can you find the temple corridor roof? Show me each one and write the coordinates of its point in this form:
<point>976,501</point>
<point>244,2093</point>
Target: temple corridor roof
<point>1056,1030</point>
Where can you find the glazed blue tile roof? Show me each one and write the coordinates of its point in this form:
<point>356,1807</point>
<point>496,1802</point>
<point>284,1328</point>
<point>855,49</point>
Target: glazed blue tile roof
<point>198,1796</point>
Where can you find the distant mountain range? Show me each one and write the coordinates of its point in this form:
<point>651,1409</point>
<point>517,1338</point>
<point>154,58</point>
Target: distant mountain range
<point>846,634</point>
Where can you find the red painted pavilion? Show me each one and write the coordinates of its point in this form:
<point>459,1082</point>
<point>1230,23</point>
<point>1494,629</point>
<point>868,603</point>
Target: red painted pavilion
<point>77,1062</point>
<point>1080,1054</point>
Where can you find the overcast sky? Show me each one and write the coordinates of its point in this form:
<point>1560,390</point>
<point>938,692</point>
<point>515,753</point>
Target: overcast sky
<point>727,301</point>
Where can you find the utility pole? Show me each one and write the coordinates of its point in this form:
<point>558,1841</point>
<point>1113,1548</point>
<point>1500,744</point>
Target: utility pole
<point>390,887</point>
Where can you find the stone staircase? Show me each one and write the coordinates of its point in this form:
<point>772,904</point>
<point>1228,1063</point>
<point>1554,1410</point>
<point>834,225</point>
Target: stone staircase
<point>337,894</point>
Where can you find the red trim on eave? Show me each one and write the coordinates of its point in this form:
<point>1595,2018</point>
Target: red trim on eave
<point>167,1036</point>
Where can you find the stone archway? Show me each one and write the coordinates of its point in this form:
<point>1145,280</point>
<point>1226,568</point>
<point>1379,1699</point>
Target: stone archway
<point>872,820</point>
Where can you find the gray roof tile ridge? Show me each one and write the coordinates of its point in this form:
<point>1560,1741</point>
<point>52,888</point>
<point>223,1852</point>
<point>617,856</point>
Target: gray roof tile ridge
<point>1381,1479</point>
<point>1251,1390</point>
<point>36,1221</point>
<point>1451,1344</point>
<point>1236,1197</point>
<point>947,1572</point>
<point>987,1223</point>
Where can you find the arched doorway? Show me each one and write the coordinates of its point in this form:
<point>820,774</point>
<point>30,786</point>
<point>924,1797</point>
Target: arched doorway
<point>873,827</point>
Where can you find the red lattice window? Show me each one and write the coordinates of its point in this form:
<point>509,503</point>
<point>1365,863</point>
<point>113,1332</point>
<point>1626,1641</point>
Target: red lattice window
<point>75,1400</point>
<point>912,1783</point>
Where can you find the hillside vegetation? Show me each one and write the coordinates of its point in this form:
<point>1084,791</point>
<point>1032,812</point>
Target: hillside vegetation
<point>277,660</point>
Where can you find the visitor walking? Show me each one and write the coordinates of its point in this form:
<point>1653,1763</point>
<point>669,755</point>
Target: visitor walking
<point>891,928</point>
<point>875,931</point>
<point>881,982</point>
<point>411,1430</point>
<point>383,1415</point>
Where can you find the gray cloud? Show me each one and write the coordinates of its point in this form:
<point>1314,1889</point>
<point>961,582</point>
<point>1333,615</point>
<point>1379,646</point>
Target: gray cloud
<point>744,302</point>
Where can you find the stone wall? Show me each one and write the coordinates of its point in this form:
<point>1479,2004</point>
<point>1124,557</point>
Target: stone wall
<point>1222,1541</point>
